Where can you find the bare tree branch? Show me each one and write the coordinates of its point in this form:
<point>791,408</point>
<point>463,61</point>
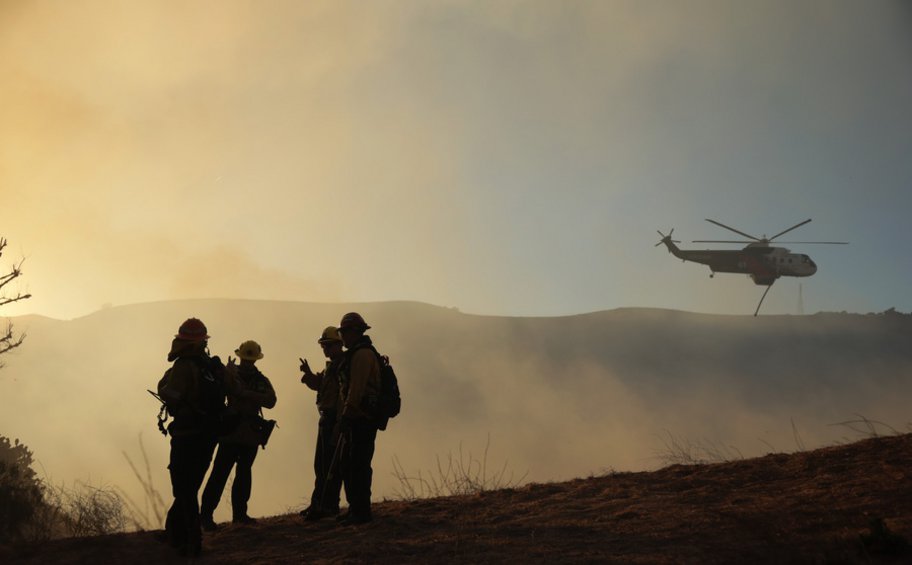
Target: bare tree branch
<point>10,340</point>
<point>4,300</point>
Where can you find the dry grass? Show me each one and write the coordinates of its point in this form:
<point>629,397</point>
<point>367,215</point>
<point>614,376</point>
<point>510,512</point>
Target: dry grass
<point>682,451</point>
<point>75,511</point>
<point>149,513</point>
<point>462,474</point>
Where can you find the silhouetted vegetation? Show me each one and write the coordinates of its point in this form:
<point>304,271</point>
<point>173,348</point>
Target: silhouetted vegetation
<point>80,510</point>
<point>20,490</point>
<point>9,339</point>
<point>458,475</point>
<point>868,428</point>
<point>33,510</point>
<point>676,450</point>
<point>30,509</point>
<point>149,513</point>
<point>682,451</point>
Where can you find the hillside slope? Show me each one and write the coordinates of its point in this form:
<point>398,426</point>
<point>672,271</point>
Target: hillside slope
<point>807,507</point>
<point>558,397</point>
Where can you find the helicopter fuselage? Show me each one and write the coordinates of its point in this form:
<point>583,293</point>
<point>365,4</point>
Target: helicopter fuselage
<point>763,263</point>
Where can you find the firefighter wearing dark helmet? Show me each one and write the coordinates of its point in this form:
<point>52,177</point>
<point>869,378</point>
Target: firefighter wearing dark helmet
<point>359,384</point>
<point>194,393</point>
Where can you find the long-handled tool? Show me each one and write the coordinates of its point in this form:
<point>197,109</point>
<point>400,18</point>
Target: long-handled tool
<point>333,467</point>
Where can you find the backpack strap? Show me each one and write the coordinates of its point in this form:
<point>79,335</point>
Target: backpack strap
<point>382,358</point>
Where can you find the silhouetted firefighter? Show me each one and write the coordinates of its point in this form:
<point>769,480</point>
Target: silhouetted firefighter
<point>368,397</point>
<point>249,391</point>
<point>194,394</point>
<point>324,501</point>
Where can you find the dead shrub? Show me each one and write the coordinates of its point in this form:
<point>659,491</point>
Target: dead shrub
<point>456,475</point>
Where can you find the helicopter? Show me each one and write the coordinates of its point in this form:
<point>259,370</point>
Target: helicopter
<point>762,262</point>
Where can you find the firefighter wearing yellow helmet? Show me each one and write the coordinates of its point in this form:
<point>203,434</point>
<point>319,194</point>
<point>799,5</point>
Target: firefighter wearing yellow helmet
<point>249,391</point>
<point>249,351</point>
<point>324,501</point>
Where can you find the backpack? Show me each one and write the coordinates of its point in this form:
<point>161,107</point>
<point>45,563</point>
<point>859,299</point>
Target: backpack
<point>211,392</point>
<point>389,401</point>
<point>211,399</point>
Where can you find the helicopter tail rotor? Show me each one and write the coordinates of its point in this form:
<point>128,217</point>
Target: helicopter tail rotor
<point>666,238</point>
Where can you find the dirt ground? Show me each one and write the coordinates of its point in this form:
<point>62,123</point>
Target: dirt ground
<point>809,507</point>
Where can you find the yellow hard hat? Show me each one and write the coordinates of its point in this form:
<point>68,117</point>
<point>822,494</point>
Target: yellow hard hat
<point>249,351</point>
<point>330,334</point>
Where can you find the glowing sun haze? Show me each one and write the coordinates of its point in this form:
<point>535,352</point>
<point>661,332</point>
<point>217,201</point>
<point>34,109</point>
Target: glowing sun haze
<point>503,157</point>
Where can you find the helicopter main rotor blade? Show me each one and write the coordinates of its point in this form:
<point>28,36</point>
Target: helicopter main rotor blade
<point>721,225</point>
<point>790,229</point>
<point>816,242</point>
<point>779,242</point>
<point>718,241</point>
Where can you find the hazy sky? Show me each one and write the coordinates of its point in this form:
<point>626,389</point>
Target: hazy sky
<point>501,157</point>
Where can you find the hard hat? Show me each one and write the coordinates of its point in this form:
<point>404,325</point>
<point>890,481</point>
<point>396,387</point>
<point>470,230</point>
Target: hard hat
<point>353,320</point>
<point>192,329</point>
<point>249,351</point>
<point>330,334</point>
